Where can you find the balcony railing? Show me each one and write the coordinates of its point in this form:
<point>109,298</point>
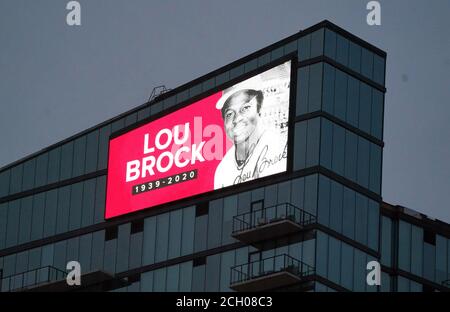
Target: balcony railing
<point>270,222</point>
<point>32,278</point>
<point>269,273</point>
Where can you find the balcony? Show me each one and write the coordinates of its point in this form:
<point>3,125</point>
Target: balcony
<point>271,273</point>
<point>31,279</point>
<point>271,222</point>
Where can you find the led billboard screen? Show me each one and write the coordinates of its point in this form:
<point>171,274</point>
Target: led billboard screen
<point>233,136</point>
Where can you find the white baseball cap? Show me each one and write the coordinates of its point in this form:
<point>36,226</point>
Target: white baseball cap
<point>253,83</point>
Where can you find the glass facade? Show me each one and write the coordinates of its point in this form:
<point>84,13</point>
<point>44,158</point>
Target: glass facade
<point>52,204</point>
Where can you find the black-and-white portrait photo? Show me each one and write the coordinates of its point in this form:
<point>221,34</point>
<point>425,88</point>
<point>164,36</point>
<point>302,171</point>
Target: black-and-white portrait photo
<point>255,116</point>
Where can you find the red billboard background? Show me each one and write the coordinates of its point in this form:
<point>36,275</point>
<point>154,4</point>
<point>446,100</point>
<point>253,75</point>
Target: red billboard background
<point>203,118</point>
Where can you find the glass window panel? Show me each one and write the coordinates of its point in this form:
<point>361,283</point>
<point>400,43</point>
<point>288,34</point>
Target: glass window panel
<point>386,238</point>
<point>340,93</point>
<point>222,78</point>
<point>109,258</point>
<point>348,213</point>
<point>302,90</point>
<point>87,210</point>
<point>334,253</point>
<point>338,150</point>
<point>385,282</point>
<point>22,262</point>
<point>429,261</point>
<point>170,101</point>
<point>130,119</point>
<point>326,143</point>
<point>201,230</point>
<point>209,84</point>
<point>182,96</point>
<point>298,192</point>
<point>342,50</point>
<point>360,272</point>
<point>147,281</point>
<point>375,168</point>
<point>365,106</point>
<point>85,252</point>
<point>117,125</point>
<point>404,246</point>
<point>337,192</point>
<point>59,255</point>
<point>9,265</point>
<point>347,266</point>
<point>363,160</point>
<point>149,241</point>
<point>162,237</point>
<point>229,211</point>
<point>99,214</point>
<point>277,53</point>
<point>136,250</point>
<point>62,216</point>
<point>441,259</point>
<point>73,246</point>
<point>92,151</point>
<point>352,101</point>
<point>195,90</point>
<point>185,276</point>
<point>103,145</point>
<point>330,43</point>
<point>123,247</point>
<point>416,250</point>
<point>361,218</point>
<point>47,255</point>
<point>367,63</point>
<point>34,258</point>
<point>12,228</point>
<point>351,151</point>
<point>159,280</point>
<point>98,242</point>
<point>251,65</point>
<point>313,142</point>
<point>226,262</point>
<point>16,179</point>
<point>212,273</point>
<point>215,223</point>
<point>198,278</point>
<point>264,59</point>
<point>311,184</point>
<point>144,113</point>
<point>4,183</point>
<point>402,284</point>
<point>41,170</point>
<point>79,155</point>
<point>377,114</point>
<point>173,273</point>
<point>415,287</point>
<point>322,254</point>
<point>3,224</point>
<point>309,252</point>
<point>329,74</point>
<point>373,224</point>
<point>284,192</point>
<point>244,202</point>
<point>304,48</point>
<point>187,237</point>
<point>324,201</point>
<point>26,212</point>
<point>237,71</point>
<point>317,43</point>
<point>354,61</point>
<point>315,87</point>
<point>176,222</point>
<point>76,198</point>
<point>290,47</point>
<point>66,161</point>
<point>378,69</point>
<point>54,163</point>
<point>51,206</point>
<point>29,168</point>
<point>300,145</point>
<point>156,108</point>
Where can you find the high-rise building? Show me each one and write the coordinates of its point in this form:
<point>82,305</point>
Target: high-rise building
<point>278,187</point>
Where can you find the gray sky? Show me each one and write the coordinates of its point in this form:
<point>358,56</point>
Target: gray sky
<point>57,80</point>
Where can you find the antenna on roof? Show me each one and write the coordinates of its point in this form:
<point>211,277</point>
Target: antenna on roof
<point>157,91</point>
